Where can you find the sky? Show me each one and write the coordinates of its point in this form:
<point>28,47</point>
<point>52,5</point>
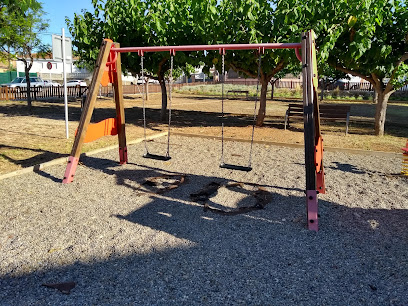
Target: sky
<point>57,10</point>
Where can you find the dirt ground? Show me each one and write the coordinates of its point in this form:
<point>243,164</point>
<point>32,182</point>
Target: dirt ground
<point>28,139</point>
<point>123,240</point>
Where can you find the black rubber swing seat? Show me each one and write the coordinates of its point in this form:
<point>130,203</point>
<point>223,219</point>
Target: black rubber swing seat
<point>157,157</point>
<point>235,167</point>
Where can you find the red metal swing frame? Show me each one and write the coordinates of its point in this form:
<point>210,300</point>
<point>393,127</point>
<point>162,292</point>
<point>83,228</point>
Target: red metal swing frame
<point>108,70</point>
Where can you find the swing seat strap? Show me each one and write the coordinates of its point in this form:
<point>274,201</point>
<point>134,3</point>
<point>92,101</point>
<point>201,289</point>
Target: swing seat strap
<point>235,167</point>
<point>156,157</point>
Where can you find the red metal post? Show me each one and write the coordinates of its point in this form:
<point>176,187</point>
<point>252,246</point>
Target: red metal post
<point>405,160</point>
<point>141,50</point>
<point>312,215</point>
<point>70,170</point>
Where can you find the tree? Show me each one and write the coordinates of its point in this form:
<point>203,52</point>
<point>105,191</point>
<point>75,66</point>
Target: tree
<point>368,39</point>
<point>376,45</point>
<point>141,23</point>
<point>249,21</point>
<point>21,23</point>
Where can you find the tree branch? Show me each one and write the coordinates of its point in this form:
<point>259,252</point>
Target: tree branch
<point>377,82</point>
<point>150,76</point>
<point>403,58</point>
<point>162,62</point>
<point>404,84</point>
<point>4,50</point>
<point>160,71</point>
<point>247,72</point>
<point>278,68</point>
<point>352,72</point>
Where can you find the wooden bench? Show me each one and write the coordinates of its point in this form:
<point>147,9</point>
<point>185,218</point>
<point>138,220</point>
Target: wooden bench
<point>328,112</point>
<point>246,92</point>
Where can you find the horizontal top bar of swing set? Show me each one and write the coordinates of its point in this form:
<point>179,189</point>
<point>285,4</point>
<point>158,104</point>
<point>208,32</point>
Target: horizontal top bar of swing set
<point>209,47</point>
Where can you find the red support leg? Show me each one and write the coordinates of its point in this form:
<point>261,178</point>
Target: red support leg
<point>123,155</point>
<point>70,170</point>
<point>312,218</point>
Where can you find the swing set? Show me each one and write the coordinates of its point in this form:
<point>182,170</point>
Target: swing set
<point>108,70</point>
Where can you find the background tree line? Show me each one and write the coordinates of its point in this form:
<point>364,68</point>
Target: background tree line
<point>365,38</point>
<point>21,22</point>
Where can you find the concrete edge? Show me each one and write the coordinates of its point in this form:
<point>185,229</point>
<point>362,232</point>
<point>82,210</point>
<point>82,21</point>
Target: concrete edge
<point>62,160</point>
<point>294,145</point>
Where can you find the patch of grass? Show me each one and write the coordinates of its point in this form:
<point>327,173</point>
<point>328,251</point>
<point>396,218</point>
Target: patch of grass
<point>216,89</point>
<point>27,139</point>
<point>336,94</point>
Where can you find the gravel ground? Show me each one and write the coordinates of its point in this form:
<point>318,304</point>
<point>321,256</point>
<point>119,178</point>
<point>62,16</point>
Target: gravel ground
<point>121,243</point>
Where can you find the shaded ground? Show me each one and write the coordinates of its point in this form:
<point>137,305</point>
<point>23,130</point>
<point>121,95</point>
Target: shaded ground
<point>121,244</point>
<point>27,139</point>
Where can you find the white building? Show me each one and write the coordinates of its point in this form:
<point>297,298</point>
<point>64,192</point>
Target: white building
<point>55,73</point>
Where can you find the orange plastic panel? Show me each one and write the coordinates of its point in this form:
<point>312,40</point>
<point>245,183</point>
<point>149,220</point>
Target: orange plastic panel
<point>320,184</point>
<point>319,154</point>
<point>106,77</point>
<point>405,149</point>
<point>319,166</point>
<point>100,129</point>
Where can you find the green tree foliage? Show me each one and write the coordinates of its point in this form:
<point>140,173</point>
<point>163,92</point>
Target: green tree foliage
<point>155,22</point>
<point>365,38</point>
<point>377,47</point>
<point>250,21</point>
<point>142,23</point>
<point>20,25</point>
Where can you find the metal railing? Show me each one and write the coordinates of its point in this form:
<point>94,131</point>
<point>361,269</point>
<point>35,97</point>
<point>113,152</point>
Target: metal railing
<point>38,93</point>
<point>77,92</point>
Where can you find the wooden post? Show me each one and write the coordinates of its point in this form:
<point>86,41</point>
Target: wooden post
<point>120,108</point>
<point>309,129</point>
<point>88,109</point>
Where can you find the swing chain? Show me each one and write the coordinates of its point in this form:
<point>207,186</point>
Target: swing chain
<point>170,100</point>
<point>144,82</point>
<point>144,108</point>
<point>255,107</point>
<point>222,108</point>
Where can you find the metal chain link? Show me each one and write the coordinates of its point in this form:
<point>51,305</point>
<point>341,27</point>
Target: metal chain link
<point>144,108</point>
<point>256,104</point>
<point>170,99</point>
<point>222,109</point>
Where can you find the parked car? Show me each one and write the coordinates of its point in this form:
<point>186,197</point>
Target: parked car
<point>150,81</point>
<point>51,83</point>
<point>75,83</point>
<point>20,82</point>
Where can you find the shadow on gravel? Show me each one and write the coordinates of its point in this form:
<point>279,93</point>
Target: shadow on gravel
<point>264,257</point>
<point>41,157</point>
<point>341,167</point>
<point>347,168</point>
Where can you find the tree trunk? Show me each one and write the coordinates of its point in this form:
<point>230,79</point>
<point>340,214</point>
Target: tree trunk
<point>262,103</point>
<point>273,88</point>
<point>27,75</point>
<point>146,85</point>
<point>164,97</point>
<point>375,97</point>
<point>322,90</point>
<point>381,110</point>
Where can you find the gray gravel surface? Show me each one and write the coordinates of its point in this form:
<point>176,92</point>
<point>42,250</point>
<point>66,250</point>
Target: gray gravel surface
<point>123,244</point>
